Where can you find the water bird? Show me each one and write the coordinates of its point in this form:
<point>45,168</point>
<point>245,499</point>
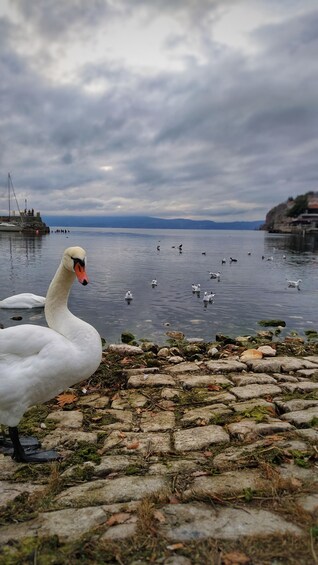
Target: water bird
<point>128,295</point>
<point>37,363</point>
<point>215,275</point>
<point>270,258</point>
<point>154,283</point>
<point>158,247</point>
<point>23,300</point>
<point>294,284</point>
<point>233,260</point>
<point>196,288</point>
<point>208,297</point>
<point>223,261</point>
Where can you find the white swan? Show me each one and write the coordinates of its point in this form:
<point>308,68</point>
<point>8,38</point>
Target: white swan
<point>294,284</point>
<point>37,363</point>
<point>23,300</point>
<point>215,275</point>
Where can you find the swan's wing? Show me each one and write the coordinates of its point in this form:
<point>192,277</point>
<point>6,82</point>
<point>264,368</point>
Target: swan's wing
<point>28,340</point>
<point>36,363</point>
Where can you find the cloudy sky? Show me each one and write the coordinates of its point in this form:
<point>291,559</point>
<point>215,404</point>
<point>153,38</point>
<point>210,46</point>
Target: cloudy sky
<point>204,109</point>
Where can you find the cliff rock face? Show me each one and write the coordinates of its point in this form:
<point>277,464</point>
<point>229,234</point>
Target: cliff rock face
<point>277,219</point>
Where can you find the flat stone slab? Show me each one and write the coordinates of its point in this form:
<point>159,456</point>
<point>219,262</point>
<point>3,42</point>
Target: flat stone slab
<point>252,378</point>
<point>197,438</point>
<point>68,524</point>
<point>109,491</point>
<point>138,442</point>
<point>192,381</point>
<point>272,365</point>
<point>250,405</point>
<point>295,404</point>
<point>302,386</point>
<point>72,419</point>
<point>184,368</point>
<point>234,457</point>
<point>112,464</point>
<point>248,428</point>
<point>63,436</point>
<point>309,433</point>
<point>226,366</point>
<point>195,521</point>
<point>230,482</point>
<point>302,417</point>
<point>205,413</point>
<point>255,390</point>
<point>9,491</point>
<point>157,421</point>
<point>309,503</point>
<point>157,379</point>
<point>280,364</point>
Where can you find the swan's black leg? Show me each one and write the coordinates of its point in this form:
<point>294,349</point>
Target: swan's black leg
<point>29,456</point>
<point>27,442</point>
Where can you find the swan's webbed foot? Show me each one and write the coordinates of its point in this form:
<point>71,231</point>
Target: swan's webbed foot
<point>28,455</point>
<point>36,456</point>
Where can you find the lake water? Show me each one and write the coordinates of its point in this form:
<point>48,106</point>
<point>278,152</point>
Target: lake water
<point>127,259</point>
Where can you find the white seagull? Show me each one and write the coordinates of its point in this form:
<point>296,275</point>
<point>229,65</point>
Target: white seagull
<point>154,283</point>
<point>294,284</point>
<point>215,275</point>
<point>196,288</point>
<point>128,295</point>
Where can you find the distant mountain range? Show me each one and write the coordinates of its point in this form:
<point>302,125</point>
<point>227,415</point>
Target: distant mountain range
<point>147,222</point>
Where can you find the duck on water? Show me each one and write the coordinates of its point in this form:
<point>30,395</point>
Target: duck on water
<point>37,363</point>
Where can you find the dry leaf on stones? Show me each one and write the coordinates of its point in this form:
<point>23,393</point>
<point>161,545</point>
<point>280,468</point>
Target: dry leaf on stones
<point>67,398</point>
<point>118,518</point>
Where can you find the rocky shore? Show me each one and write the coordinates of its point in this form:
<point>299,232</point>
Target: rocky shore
<point>193,453</point>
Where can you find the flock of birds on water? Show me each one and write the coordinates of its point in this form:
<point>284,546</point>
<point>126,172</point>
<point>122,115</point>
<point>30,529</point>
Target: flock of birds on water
<point>208,296</point>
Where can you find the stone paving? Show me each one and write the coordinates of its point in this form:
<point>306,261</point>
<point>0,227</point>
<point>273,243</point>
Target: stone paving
<point>220,449</point>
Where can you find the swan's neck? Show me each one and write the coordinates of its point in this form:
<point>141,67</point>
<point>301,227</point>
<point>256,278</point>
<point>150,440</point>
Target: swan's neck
<point>56,312</point>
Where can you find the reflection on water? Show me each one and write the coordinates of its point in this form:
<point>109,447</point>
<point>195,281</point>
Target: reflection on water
<point>119,260</point>
<point>292,243</point>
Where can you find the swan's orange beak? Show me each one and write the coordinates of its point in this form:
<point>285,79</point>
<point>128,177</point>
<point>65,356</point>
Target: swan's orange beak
<point>81,274</point>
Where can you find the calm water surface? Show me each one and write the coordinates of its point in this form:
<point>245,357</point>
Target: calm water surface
<point>120,259</point>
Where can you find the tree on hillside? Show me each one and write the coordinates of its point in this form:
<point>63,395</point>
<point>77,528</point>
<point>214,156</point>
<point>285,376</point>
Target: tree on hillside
<point>300,205</point>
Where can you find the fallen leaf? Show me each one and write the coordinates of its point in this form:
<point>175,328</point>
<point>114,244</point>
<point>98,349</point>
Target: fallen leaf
<point>133,445</point>
<point>214,387</point>
<point>159,516</point>
<point>121,434</point>
<point>207,453</point>
<point>174,500</point>
<point>235,558</point>
<point>118,518</point>
<point>67,398</point>
<point>175,546</point>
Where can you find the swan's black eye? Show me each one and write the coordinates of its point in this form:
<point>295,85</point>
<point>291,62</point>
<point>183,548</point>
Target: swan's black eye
<point>78,261</point>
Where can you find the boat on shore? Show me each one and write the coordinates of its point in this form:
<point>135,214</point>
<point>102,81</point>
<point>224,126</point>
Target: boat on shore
<point>10,226</point>
<point>26,222</point>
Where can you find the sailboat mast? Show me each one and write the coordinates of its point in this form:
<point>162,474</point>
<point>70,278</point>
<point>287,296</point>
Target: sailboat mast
<point>9,195</point>
<point>10,187</point>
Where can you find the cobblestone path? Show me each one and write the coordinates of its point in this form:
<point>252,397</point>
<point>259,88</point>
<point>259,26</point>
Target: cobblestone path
<point>176,455</point>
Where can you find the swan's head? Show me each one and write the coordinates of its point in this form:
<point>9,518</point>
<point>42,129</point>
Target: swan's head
<point>74,259</point>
